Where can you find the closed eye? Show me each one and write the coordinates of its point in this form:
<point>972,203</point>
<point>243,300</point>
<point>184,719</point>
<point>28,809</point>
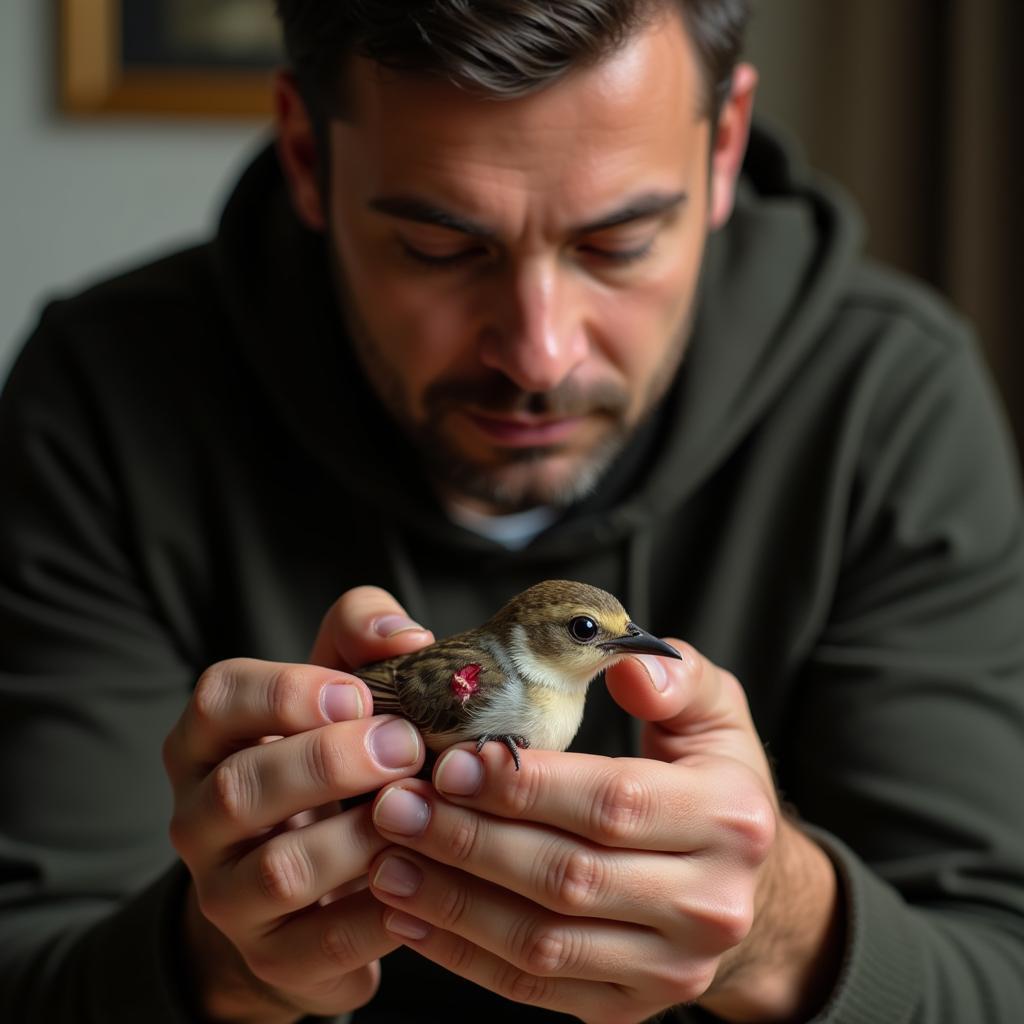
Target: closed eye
<point>620,256</point>
<point>615,256</point>
<point>452,259</point>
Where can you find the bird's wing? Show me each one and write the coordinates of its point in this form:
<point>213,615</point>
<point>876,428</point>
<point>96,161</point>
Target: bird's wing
<point>441,686</point>
<point>380,678</point>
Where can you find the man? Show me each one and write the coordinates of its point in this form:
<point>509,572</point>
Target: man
<point>500,309</point>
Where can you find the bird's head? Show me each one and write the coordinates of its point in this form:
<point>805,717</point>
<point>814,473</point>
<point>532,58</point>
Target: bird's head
<point>562,634</point>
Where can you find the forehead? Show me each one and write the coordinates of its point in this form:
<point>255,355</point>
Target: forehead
<point>638,112</point>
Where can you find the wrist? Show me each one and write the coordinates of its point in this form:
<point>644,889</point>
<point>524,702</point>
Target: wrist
<point>788,965</point>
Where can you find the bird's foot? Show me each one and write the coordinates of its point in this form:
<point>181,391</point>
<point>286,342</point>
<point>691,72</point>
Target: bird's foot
<point>511,740</point>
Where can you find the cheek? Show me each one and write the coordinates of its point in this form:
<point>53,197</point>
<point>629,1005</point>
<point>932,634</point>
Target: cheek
<point>638,328</point>
<point>641,326</point>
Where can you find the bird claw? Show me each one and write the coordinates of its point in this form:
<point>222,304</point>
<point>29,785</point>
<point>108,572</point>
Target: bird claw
<point>511,740</point>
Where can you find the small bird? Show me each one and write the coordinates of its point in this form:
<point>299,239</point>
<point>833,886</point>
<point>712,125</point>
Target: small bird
<point>521,678</point>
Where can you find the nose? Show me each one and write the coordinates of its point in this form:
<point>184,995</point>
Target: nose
<point>533,331</point>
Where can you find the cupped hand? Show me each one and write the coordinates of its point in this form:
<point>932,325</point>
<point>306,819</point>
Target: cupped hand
<point>279,922</point>
<point>610,889</point>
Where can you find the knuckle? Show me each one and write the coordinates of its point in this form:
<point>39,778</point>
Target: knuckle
<point>233,790</point>
<point>212,694</point>
<point>521,986</point>
<point>523,789</point>
<point>751,823</point>
<point>453,906</point>
<point>341,947</point>
<point>759,834</point>
<point>328,760</point>
<point>169,752</point>
<point>285,873</point>
<point>185,836</point>
<point>622,808</point>
<point>694,982</point>
<point>214,903</point>
<point>459,954</point>
<point>266,966</point>
<point>550,950</point>
<point>728,924</point>
<point>724,920</point>
<point>287,696</point>
<point>181,835</point>
<point>576,880</point>
<point>465,837</point>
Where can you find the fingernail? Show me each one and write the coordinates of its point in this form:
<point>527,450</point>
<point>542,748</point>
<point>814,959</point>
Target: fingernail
<point>406,926</point>
<point>402,812</point>
<point>398,876</point>
<point>390,625</point>
<point>395,744</point>
<point>459,773</point>
<point>655,669</point>
<point>341,702</point>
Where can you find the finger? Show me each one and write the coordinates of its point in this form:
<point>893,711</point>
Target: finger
<point>519,931</point>
<point>586,1000</point>
<point>314,814</point>
<point>696,706</point>
<point>260,787</point>
<point>309,954</point>
<point>238,701</point>
<point>290,872</point>
<point>364,625</point>
<point>556,870</point>
<point>663,689</point>
<point>631,803</point>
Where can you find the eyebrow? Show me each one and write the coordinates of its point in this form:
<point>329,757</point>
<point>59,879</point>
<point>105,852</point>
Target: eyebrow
<point>412,208</point>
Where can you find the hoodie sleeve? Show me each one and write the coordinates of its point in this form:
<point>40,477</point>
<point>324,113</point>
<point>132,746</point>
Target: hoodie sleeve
<point>90,683</point>
<point>908,739</point>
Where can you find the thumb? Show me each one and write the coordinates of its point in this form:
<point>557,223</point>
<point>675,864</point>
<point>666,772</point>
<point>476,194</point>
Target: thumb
<point>364,625</point>
<point>694,706</point>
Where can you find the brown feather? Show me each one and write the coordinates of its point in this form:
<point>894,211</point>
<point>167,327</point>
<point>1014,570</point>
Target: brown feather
<point>544,689</point>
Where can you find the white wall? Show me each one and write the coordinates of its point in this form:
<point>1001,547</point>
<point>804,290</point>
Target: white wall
<point>79,199</point>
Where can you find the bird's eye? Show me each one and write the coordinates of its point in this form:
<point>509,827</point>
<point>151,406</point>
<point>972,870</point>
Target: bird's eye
<point>583,628</point>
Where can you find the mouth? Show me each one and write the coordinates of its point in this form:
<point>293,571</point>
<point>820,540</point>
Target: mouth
<point>638,641</point>
<point>517,431</point>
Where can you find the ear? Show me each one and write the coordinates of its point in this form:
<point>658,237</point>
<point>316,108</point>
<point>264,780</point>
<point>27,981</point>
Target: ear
<point>297,150</point>
<point>731,143</point>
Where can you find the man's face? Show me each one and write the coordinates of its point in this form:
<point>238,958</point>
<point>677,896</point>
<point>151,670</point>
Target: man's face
<point>518,276</point>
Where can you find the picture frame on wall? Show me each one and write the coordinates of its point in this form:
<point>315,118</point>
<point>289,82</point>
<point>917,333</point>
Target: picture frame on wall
<point>167,57</point>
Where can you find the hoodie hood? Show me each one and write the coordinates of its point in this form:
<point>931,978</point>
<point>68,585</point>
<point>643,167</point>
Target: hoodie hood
<point>771,279</point>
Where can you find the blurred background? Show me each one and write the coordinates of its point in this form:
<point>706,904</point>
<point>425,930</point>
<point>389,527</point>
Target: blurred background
<point>109,153</point>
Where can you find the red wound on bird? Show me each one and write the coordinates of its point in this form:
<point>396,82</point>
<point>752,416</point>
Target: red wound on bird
<point>465,682</point>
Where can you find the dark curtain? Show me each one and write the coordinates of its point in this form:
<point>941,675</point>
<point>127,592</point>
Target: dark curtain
<point>912,105</point>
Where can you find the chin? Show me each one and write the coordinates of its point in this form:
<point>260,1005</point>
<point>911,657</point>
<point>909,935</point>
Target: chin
<point>542,478</point>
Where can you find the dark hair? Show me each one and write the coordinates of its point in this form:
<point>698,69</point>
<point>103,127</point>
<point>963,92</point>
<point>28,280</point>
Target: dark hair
<point>500,48</point>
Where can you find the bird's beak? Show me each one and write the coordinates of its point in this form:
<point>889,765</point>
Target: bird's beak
<point>638,641</point>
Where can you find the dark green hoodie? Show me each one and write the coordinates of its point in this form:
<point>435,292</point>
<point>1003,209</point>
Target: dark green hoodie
<point>826,504</point>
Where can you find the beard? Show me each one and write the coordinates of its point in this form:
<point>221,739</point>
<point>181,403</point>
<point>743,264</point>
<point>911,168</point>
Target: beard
<point>518,478</point>
<point>512,479</point>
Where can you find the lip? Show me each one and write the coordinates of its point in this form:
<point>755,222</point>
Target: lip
<point>523,431</point>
